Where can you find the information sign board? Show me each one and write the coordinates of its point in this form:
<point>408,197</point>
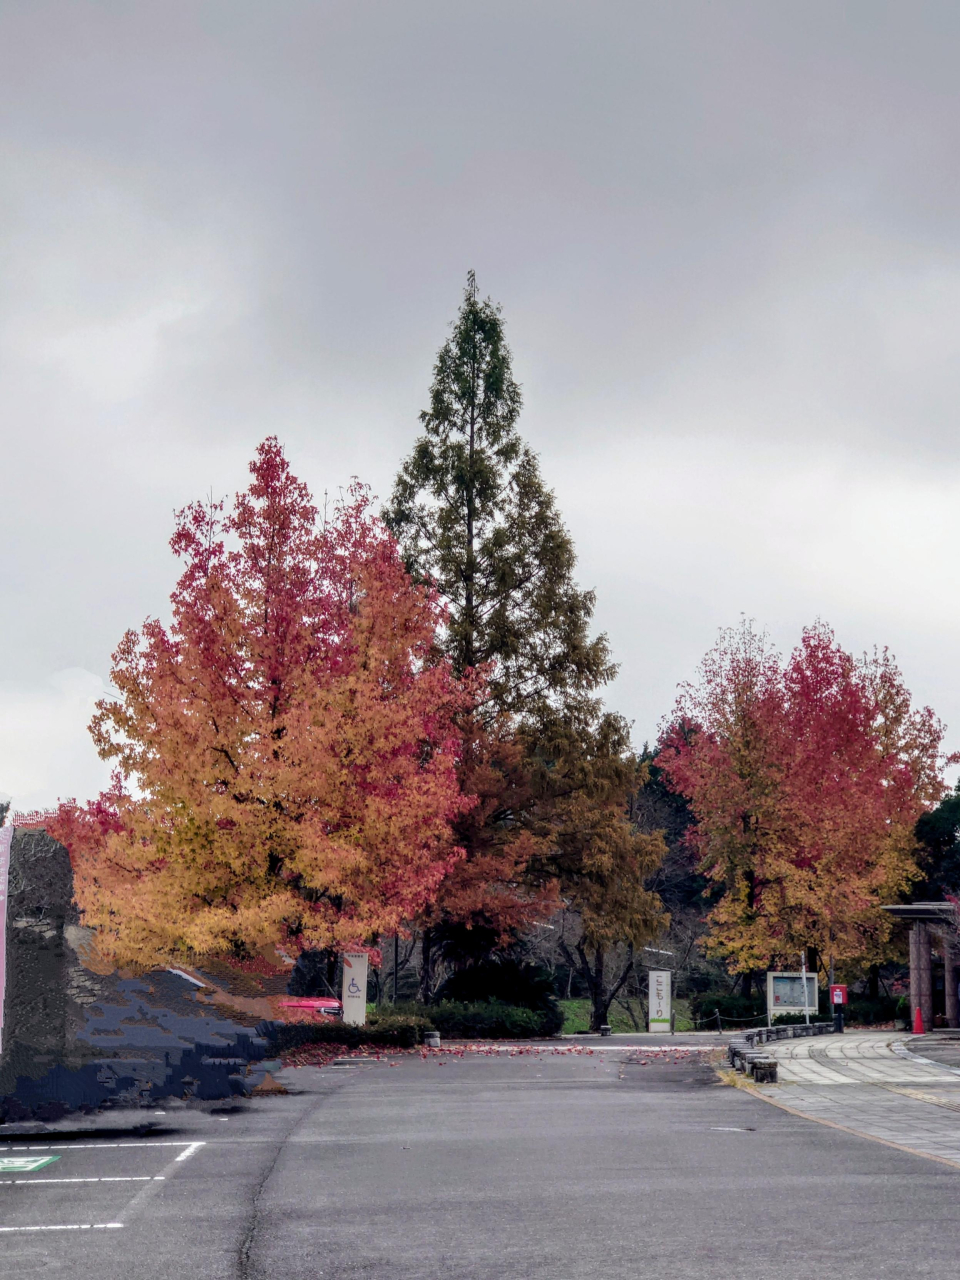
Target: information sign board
<point>659,1000</point>
<point>785,993</point>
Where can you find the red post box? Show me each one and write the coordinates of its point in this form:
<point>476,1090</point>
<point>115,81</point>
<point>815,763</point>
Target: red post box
<point>838,994</point>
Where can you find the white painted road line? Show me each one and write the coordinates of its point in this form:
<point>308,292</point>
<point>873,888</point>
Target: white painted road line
<point>185,1155</point>
<point>48,1182</point>
<point>71,1226</point>
<point>96,1146</point>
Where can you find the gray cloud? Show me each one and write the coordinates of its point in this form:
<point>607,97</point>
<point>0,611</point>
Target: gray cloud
<point>726,242</point>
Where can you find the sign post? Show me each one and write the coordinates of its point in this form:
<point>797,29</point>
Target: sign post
<point>803,972</point>
<point>354,989</point>
<point>659,996</point>
<point>838,998</point>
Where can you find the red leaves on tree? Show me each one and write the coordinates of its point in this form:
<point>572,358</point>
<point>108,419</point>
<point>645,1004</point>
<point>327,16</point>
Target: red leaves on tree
<point>495,885</point>
<point>806,780</point>
<point>287,749</point>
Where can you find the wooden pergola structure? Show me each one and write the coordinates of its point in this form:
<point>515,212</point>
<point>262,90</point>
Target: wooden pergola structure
<point>934,927</point>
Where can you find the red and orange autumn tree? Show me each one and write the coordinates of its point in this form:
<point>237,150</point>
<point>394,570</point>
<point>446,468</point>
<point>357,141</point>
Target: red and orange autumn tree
<point>806,780</point>
<point>286,751</point>
<point>496,891</point>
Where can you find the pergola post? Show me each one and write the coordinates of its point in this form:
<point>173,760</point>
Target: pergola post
<point>950,980</point>
<point>927,918</point>
<point>926,976</point>
<point>914,972</point>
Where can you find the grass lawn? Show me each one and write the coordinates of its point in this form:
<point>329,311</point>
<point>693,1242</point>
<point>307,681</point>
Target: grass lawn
<point>577,1016</point>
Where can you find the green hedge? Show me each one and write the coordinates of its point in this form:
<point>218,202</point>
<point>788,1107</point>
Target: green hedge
<point>492,1020</point>
<point>485,1020</point>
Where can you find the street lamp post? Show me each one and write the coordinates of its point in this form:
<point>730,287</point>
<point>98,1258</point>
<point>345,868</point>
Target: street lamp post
<point>803,978</point>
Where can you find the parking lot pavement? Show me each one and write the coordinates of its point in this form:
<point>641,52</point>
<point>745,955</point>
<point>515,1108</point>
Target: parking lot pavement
<point>185,1203</point>
<point>82,1186</point>
<point>636,1166</point>
<point>564,1163</point>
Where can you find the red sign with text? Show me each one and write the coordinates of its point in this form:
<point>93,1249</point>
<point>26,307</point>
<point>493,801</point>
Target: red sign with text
<point>838,995</point>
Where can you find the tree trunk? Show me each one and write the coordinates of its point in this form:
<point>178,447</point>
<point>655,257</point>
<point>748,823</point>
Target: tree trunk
<point>594,975</point>
<point>598,995</point>
<point>425,990</point>
<point>331,975</point>
<point>625,1004</point>
<point>469,567</point>
<point>873,989</point>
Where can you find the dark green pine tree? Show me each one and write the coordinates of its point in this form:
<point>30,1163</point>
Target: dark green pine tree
<point>473,515</point>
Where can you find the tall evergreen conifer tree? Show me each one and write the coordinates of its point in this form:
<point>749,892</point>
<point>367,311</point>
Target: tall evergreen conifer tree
<point>473,515</point>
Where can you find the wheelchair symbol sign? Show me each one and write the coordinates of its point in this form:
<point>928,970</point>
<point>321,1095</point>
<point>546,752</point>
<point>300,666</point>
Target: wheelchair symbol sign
<point>354,998</point>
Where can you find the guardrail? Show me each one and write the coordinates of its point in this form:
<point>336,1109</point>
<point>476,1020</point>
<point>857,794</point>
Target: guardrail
<point>744,1057</point>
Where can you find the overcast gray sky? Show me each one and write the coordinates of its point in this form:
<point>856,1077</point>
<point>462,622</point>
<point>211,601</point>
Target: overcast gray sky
<point>726,238</point>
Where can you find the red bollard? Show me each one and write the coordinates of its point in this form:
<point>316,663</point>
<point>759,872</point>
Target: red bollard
<point>918,1022</point>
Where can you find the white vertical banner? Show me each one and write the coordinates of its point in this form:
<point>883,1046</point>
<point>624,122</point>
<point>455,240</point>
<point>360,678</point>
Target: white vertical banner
<point>6,838</point>
<point>354,991</point>
<point>659,999</point>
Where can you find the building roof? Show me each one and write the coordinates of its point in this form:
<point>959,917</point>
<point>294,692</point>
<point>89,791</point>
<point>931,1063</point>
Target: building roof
<point>945,912</point>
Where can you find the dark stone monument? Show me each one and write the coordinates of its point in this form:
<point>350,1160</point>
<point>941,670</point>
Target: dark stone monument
<point>77,1034</point>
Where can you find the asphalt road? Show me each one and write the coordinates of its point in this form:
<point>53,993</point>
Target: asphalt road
<point>542,1165</point>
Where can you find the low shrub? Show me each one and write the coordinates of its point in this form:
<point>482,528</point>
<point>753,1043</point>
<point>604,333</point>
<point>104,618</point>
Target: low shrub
<point>507,981</point>
<point>403,1026</point>
<point>822,1014</point>
<point>493,1020</point>
<point>382,1031</point>
<point>866,1012</point>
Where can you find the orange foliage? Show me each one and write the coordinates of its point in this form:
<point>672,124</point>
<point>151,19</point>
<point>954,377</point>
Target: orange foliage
<point>286,752</point>
<point>806,779</point>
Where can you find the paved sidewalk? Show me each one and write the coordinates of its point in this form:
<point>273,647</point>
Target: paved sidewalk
<point>872,1085</point>
<point>858,1057</point>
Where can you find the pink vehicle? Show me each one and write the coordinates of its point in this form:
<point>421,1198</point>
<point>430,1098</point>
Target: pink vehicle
<point>322,1008</point>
